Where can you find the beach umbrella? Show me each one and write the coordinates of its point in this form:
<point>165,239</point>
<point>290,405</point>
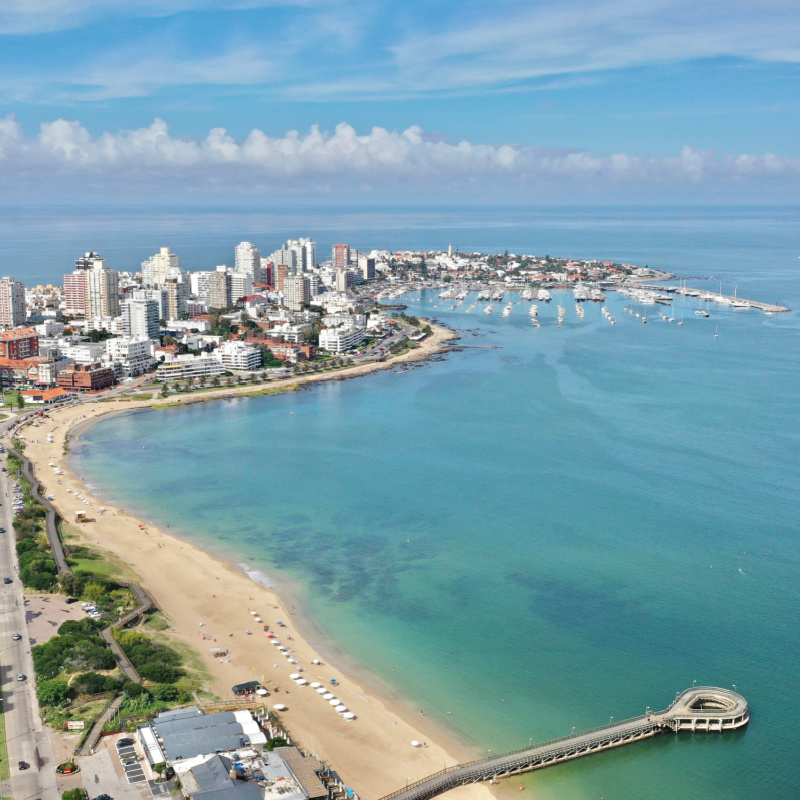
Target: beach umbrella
<point>279,707</point>
<point>254,613</point>
<point>327,696</point>
<point>301,682</point>
<point>275,641</point>
<point>341,708</point>
<point>414,742</point>
<point>315,661</point>
<point>316,685</point>
<point>294,676</point>
<point>262,692</point>
<point>335,702</point>
<point>349,715</point>
<point>321,690</point>
<point>258,619</point>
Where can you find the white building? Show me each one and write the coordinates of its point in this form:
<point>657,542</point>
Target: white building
<point>188,366</point>
<point>343,279</point>
<point>102,291</point>
<point>12,303</point>
<point>159,295</point>
<point>177,294</point>
<point>305,253</point>
<point>238,355</point>
<point>248,262</point>
<point>84,353</point>
<point>140,318</point>
<point>134,356</point>
<point>340,340</point>
<point>155,269</point>
<point>241,285</point>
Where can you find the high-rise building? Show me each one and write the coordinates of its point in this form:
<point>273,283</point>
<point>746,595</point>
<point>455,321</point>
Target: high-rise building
<point>286,257</point>
<point>280,276</point>
<point>305,252</point>
<point>159,296</point>
<point>314,285</point>
<point>366,266</point>
<point>241,285</point>
<point>248,261</point>
<point>88,260</point>
<point>343,279</point>
<point>341,256</point>
<point>155,269</point>
<point>177,294</point>
<point>140,318</point>
<point>266,272</point>
<point>12,303</point>
<point>75,292</point>
<point>102,291</point>
<point>296,291</point>
<point>219,288</point>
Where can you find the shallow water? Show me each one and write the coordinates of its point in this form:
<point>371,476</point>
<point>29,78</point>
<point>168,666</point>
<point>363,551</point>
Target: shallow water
<point>526,539</point>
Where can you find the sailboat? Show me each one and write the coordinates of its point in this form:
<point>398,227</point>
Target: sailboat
<point>716,332</point>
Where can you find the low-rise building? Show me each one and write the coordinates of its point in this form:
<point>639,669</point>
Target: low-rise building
<point>86,378</point>
<point>188,367</point>
<point>19,343</point>
<point>340,340</point>
<point>46,396</point>
<point>238,355</point>
<point>133,356</point>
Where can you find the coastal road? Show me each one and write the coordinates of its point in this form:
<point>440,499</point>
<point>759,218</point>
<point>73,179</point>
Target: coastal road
<point>26,737</point>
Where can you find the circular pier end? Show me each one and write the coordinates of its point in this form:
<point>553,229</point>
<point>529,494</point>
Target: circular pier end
<point>706,708</point>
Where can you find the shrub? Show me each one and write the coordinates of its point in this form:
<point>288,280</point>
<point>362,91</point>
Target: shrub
<point>52,693</point>
<point>159,673</point>
<point>166,692</point>
<point>133,690</point>
<point>93,683</point>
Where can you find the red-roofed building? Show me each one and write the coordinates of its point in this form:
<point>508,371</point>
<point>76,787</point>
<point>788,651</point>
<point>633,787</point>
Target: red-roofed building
<point>19,343</point>
<point>46,396</point>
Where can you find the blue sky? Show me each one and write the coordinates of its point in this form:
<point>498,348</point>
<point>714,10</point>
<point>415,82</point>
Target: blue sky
<point>652,99</point>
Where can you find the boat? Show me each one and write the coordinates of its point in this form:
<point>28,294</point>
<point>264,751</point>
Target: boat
<point>489,308</point>
<point>507,309</point>
<point>544,296</point>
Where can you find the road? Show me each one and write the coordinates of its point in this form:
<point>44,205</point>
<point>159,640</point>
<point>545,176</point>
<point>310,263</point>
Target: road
<point>26,737</point>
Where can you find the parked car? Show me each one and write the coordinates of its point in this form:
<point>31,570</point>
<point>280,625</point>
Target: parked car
<point>7,580</point>
<point>23,765</point>
<point>21,677</point>
<point>16,637</point>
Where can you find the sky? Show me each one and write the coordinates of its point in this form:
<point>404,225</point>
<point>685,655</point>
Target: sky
<point>290,100</point>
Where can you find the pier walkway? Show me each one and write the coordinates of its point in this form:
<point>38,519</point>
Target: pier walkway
<point>714,297</point>
<point>701,708</point>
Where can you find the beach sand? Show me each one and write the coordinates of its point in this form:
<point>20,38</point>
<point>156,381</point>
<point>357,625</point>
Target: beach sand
<point>373,754</point>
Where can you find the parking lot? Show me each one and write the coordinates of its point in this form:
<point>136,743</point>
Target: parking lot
<point>128,757</point>
<point>115,770</point>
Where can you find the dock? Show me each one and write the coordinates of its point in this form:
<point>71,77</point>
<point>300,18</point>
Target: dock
<point>714,297</point>
<point>701,708</point>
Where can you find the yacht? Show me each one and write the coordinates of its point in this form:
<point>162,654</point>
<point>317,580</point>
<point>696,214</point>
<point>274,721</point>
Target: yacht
<point>507,309</point>
<point>489,308</point>
<point>544,296</point>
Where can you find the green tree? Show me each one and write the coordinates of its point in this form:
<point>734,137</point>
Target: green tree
<point>164,390</point>
<point>19,400</point>
<point>276,741</point>
<point>202,381</point>
<point>75,794</point>
<point>94,591</point>
<point>159,768</point>
<point>52,693</point>
<point>215,382</point>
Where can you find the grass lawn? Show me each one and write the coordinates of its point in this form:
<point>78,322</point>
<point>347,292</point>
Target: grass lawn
<point>4,772</point>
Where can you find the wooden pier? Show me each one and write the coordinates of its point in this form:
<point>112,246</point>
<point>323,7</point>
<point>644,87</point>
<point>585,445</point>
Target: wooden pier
<point>701,708</point>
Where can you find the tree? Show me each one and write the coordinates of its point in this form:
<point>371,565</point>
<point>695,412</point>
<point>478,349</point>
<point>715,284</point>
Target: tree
<point>167,340</point>
<point>20,401</point>
<point>52,693</point>
<point>276,741</point>
<point>202,381</point>
<point>164,390</point>
<point>215,382</point>
<point>75,794</point>
<point>94,591</point>
<point>159,768</point>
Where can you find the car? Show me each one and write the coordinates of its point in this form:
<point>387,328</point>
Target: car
<point>125,743</point>
<point>7,580</point>
<point>2,530</point>
<point>102,797</point>
<point>16,637</point>
<point>21,677</point>
<point>70,600</point>
<point>23,765</point>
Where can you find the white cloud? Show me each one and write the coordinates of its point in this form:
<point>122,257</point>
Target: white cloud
<point>150,159</point>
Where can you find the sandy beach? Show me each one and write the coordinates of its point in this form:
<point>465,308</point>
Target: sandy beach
<point>201,594</point>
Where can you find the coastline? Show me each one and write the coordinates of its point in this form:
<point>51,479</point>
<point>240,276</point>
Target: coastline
<point>192,585</point>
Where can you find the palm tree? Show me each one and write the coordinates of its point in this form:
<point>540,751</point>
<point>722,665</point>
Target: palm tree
<point>215,382</point>
<point>202,381</point>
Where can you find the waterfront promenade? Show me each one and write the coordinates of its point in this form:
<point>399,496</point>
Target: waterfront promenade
<point>701,708</point>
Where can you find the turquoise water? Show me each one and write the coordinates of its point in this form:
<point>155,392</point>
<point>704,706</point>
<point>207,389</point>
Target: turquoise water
<point>536,537</point>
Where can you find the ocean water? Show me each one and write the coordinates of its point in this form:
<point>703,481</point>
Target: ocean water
<point>572,526</point>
